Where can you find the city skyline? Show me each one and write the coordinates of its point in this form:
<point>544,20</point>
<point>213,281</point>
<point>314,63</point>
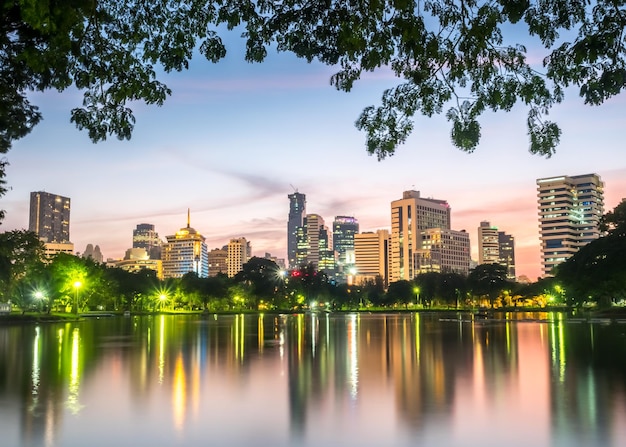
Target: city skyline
<point>235,139</point>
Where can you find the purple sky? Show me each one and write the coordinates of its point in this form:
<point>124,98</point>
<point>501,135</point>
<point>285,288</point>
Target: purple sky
<point>235,138</point>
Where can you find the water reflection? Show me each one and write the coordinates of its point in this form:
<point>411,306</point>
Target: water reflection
<point>315,379</point>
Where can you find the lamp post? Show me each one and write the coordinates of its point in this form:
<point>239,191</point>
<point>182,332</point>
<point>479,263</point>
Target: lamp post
<point>40,297</point>
<point>416,290</point>
<point>77,285</point>
<point>162,298</point>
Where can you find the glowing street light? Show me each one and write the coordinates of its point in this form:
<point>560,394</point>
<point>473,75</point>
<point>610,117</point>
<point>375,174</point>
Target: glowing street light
<point>162,299</point>
<point>40,297</point>
<point>77,285</point>
<point>416,290</point>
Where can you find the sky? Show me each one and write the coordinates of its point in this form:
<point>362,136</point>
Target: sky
<point>234,139</point>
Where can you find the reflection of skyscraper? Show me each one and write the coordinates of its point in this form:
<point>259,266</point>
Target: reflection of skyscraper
<point>569,214</point>
<point>144,236</point>
<point>185,252</point>
<point>297,211</point>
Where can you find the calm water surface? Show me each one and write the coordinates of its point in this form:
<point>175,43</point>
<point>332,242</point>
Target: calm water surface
<point>314,380</point>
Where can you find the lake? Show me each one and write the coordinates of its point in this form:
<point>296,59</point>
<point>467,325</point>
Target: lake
<point>305,380</point>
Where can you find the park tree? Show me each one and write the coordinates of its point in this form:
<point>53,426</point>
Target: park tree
<point>488,280</point>
<point>459,58</point>
<point>21,252</point>
<point>401,292</point>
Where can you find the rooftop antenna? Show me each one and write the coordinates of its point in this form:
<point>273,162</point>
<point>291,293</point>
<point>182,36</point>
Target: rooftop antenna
<point>293,187</point>
<point>188,218</point>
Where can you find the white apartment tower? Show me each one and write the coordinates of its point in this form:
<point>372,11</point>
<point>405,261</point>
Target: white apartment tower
<point>185,252</point>
<point>409,216</point>
<point>488,246</point>
<point>239,252</point>
<point>570,208</point>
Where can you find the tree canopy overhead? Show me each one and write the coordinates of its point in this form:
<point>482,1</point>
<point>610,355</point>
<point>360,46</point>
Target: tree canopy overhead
<point>451,56</point>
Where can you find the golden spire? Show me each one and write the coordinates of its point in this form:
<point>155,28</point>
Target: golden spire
<point>188,218</point>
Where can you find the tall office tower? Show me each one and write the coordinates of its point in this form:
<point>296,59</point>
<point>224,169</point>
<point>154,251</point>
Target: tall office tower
<point>488,247</point>
<point>218,261</point>
<point>50,217</point>
<point>239,252</point>
<point>344,229</point>
<point>144,236</point>
<point>297,211</point>
<point>93,253</point>
<point>372,252</point>
<point>443,250</point>
<point>185,252</point>
<point>506,257</point>
<point>313,224</point>
<point>302,246</point>
<point>570,208</point>
<point>326,261</point>
<point>409,216</point>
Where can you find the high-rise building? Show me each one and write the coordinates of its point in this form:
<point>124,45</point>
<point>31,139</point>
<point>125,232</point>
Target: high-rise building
<point>326,255</point>
<point>570,208</point>
<point>344,229</point>
<point>297,211</point>
<point>144,236</point>
<point>239,252</point>
<point>49,217</point>
<point>443,250</point>
<point>506,247</point>
<point>93,253</point>
<point>409,216</point>
<point>218,261</point>
<point>488,247</point>
<point>185,252</point>
<point>314,224</point>
<point>371,256</point>
<point>496,247</point>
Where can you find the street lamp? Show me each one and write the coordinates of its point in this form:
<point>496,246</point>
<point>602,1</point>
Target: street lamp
<point>77,285</point>
<point>416,290</point>
<point>163,298</point>
<point>40,297</point>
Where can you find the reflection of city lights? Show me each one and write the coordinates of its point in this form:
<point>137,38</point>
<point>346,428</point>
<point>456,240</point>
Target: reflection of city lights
<point>161,348</point>
<point>72,398</point>
<point>35,372</point>
<point>179,393</point>
<point>353,366</point>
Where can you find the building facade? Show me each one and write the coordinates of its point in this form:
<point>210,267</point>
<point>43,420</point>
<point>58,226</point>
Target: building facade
<point>185,252</point>
<point>409,216</point>
<point>372,252</point>
<point>218,261</point>
<point>570,208</point>
<point>506,246</point>
<point>146,237</point>
<point>315,226</point>
<point>488,245</point>
<point>344,229</point>
<point>239,252</point>
<point>443,250</point>
<point>49,217</point>
<point>297,211</point>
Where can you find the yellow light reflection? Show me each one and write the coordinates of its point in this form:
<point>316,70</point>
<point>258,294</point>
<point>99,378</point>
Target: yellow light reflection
<point>417,337</point>
<point>161,348</point>
<point>260,333</point>
<point>179,394</point>
<point>73,392</point>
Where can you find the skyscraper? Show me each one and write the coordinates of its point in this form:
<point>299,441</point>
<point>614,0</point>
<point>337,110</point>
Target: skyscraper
<point>570,208</point>
<point>344,229</point>
<point>506,247</point>
<point>443,250</point>
<point>488,247</point>
<point>297,211</point>
<point>371,256</point>
<point>50,217</point>
<point>239,252</point>
<point>409,216</point>
<point>185,252</point>
<point>314,224</point>
<point>144,236</point>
